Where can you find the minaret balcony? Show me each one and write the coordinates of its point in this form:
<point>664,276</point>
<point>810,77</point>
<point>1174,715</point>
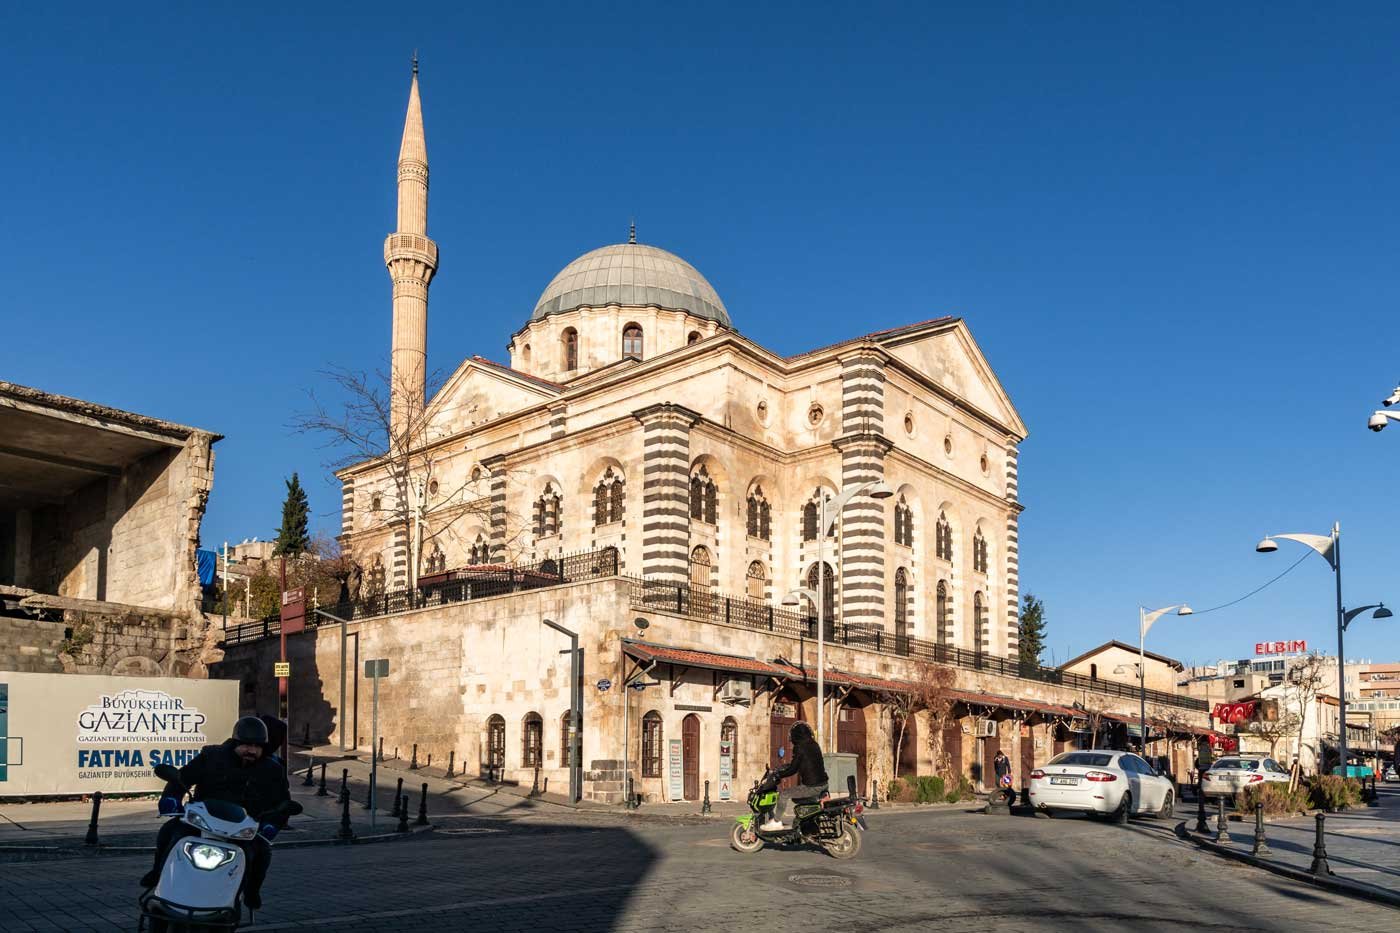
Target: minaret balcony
<point>413,246</point>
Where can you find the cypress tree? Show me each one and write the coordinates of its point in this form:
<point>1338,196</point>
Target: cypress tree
<point>294,537</point>
<point>1032,631</point>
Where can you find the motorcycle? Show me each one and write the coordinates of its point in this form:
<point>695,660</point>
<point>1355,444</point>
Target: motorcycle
<point>833,824</point>
<point>201,882</point>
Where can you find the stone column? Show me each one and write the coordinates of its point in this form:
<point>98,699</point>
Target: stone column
<point>665,492</point>
<point>863,447</point>
<point>496,466</point>
<point>347,505</point>
<point>1013,586</point>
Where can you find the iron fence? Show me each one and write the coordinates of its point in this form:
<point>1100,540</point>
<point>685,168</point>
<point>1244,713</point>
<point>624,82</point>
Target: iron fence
<point>453,586</point>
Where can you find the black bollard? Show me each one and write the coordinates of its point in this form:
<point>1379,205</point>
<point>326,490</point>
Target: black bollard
<point>874,795</point>
<point>546,785</point>
<point>413,766</point>
<point>631,802</point>
<point>1319,864</point>
<point>535,783</point>
<point>308,782</point>
<point>402,804</point>
<point>1202,825</point>
<point>422,807</point>
<point>91,838</point>
<point>1261,845</point>
<point>381,748</point>
<point>1222,833</point>
<point>306,736</point>
<point>430,760</point>
<point>344,783</point>
<point>398,797</point>
<point>321,791</point>
<point>451,762</point>
<point>346,833</point>
<point>396,752</point>
<point>705,804</point>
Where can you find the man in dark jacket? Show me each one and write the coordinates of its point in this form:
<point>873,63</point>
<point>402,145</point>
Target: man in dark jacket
<point>807,764</point>
<point>236,772</point>
<point>1001,766</point>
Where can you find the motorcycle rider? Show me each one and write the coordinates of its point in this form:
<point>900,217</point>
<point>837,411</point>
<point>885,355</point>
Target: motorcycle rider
<point>237,772</point>
<point>807,764</point>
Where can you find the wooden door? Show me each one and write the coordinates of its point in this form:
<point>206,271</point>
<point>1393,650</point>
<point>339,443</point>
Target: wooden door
<point>990,746</point>
<point>784,714</point>
<point>1027,757</point>
<point>690,755</point>
<point>850,737</point>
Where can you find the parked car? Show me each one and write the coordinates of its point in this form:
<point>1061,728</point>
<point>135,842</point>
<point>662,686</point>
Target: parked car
<point>1390,775</point>
<point>1103,781</point>
<point>1229,776</point>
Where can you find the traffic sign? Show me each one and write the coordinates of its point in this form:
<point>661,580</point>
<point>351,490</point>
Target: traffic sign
<point>378,667</point>
<point>638,685</point>
<point>281,668</point>
<point>293,614</point>
<point>604,684</point>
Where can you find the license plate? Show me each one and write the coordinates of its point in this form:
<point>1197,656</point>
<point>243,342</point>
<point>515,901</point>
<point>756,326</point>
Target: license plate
<point>1064,780</point>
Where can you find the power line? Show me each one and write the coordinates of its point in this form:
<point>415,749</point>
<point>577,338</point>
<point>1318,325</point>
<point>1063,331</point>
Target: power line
<point>1232,602</point>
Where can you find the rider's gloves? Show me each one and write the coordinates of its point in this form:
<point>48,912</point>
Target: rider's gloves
<point>269,831</point>
<point>170,806</point>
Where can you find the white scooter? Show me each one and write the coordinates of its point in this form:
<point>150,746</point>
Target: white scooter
<point>201,882</point>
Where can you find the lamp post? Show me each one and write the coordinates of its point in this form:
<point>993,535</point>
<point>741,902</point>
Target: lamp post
<point>1330,548</point>
<point>877,489</point>
<point>1145,621</point>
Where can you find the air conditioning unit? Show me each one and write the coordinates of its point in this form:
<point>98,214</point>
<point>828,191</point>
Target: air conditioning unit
<point>737,690</point>
<point>986,728</point>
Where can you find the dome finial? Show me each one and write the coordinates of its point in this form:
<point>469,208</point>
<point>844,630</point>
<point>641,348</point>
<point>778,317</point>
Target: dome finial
<point>415,63</point>
<point>632,231</point>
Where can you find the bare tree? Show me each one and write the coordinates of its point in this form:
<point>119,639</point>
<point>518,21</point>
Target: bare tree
<point>937,697</point>
<point>1095,713</point>
<point>1304,679</point>
<point>1274,731</point>
<point>397,431</point>
<point>902,705</point>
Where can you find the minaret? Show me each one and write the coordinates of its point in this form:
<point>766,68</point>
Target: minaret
<point>412,259</point>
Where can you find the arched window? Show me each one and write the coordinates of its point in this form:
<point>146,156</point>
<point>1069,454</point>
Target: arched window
<point>944,614</point>
<point>376,576</point>
<point>760,516</point>
<point>828,591</point>
<point>943,538</point>
<point>693,337</point>
<point>901,610</point>
<point>436,561</point>
<point>480,552</point>
<point>979,552</point>
<point>547,512</point>
<point>608,498</point>
<point>532,741</point>
<point>729,736</point>
<point>632,342</point>
<point>811,515</point>
<point>704,497</point>
<point>651,745</point>
<point>903,523</point>
<point>756,581</point>
<point>565,748</point>
<point>979,621</point>
<point>496,745</point>
<point>525,355</point>
<point>701,568</point>
<point>568,345</point>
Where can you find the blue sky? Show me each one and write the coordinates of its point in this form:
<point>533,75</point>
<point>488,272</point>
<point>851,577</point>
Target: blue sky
<point>1172,229</point>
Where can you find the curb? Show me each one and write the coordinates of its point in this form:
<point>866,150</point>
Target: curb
<point>1357,889</point>
<point>102,849</point>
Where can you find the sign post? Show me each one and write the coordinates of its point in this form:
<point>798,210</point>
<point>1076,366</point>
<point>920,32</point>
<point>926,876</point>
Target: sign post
<point>726,769</point>
<point>374,670</point>
<point>675,769</point>
<point>293,619</point>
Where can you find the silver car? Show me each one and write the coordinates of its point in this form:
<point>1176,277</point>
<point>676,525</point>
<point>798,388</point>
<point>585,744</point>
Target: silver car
<point>1229,776</point>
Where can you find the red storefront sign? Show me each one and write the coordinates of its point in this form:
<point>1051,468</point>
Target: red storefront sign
<point>1233,712</point>
<point>1280,647</point>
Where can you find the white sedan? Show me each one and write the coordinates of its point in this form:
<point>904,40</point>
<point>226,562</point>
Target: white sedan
<point>1102,781</point>
<point>1228,776</point>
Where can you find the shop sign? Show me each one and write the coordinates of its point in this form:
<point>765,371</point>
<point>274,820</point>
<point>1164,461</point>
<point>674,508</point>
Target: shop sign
<point>1280,647</point>
<point>675,769</point>
<point>726,769</point>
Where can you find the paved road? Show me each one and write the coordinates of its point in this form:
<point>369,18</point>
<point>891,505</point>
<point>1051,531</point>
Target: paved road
<point>950,871</point>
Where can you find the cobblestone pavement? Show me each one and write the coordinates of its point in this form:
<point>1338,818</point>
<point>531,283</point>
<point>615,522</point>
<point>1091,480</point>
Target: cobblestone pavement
<point>949,870</point>
<point>1362,844</point>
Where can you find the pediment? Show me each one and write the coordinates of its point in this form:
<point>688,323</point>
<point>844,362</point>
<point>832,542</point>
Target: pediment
<point>483,391</point>
<point>948,356</point>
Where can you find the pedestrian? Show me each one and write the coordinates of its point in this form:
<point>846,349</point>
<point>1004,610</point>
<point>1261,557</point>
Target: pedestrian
<point>1001,765</point>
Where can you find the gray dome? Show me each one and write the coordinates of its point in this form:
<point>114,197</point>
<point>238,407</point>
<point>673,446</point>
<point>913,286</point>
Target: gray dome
<point>631,274</point>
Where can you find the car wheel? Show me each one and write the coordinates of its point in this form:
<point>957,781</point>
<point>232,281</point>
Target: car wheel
<point>1125,809</point>
<point>1043,814</point>
<point>1168,807</point>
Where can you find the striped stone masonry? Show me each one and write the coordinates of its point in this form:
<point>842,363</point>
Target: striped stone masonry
<point>558,421</point>
<point>1012,551</point>
<point>863,532</point>
<point>665,491</point>
<point>347,506</point>
<point>863,393</point>
<point>496,466</point>
<point>399,572</point>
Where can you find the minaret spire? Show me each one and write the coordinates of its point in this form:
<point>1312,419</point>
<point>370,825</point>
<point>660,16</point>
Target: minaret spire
<point>412,259</point>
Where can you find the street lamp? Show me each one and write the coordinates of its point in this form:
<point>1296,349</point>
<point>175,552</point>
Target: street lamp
<point>1330,547</point>
<point>877,489</point>
<point>1379,419</point>
<point>1145,621</point>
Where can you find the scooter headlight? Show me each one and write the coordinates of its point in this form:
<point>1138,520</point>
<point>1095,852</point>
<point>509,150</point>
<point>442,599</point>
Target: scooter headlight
<point>194,819</point>
<point>208,857</point>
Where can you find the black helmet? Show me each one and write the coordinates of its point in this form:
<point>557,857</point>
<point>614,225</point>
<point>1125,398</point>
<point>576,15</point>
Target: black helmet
<point>800,730</point>
<point>250,730</point>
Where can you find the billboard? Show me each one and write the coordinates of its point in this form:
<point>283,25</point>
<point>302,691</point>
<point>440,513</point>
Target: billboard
<point>77,733</point>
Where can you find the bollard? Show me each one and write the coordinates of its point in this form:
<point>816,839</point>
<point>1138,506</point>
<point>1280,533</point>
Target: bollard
<point>346,834</point>
<point>705,804</point>
<point>631,802</point>
<point>321,791</point>
<point>1222,833</point>
<point>381,748</point>
<point>402,805</point>
<point>398,797</point>
<point>306,736</point>
<point>308,782</point>
<point>91,839</point>
<point>396,753</point>
<point>344,782</point>
<point>422,806</point>
<point>546,785</point>
<point>1202,826</point>
<point>413,766</point>
<point>535,783</point>
<point>874,795</point>
<point>451,762</point>
<point>1261,845</point>
<point>430,760</point>
<point>1319,864</point>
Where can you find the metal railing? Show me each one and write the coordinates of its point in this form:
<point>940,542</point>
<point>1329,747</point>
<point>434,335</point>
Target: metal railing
<point>453,586</point>
<point>698,602</point>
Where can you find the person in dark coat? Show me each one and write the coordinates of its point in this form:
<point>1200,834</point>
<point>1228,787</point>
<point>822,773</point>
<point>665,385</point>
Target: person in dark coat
<point>807,764</point>
<point>1001,767</point>
<point>237,772</point>
<point>276,736</point>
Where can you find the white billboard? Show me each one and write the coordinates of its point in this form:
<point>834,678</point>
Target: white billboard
<point>77,733</point>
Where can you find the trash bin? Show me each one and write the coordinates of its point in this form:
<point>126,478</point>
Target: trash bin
<point>839,767</point>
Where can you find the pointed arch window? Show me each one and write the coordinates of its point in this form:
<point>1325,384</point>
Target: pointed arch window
<point>760,515</point>
<point>756,581</point>
<point>943,611</point>
<point>979,621</point>
<point>651,745</point>
<point>702,568</point>
<point>943,538</point>
<point>436,561</point>
<point>811,515</point>
<point>532,741</point>
<point>608,498</point>
<point>377,576</point>
<point>568,342</point>
<point>901,610</point>
<point>828,589</point>
<point>979,552</point>
<point>632,342</point>
<point>704,497</point>
<point>547,512</point>
<point>903,523</point>
<point>480,552</point>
